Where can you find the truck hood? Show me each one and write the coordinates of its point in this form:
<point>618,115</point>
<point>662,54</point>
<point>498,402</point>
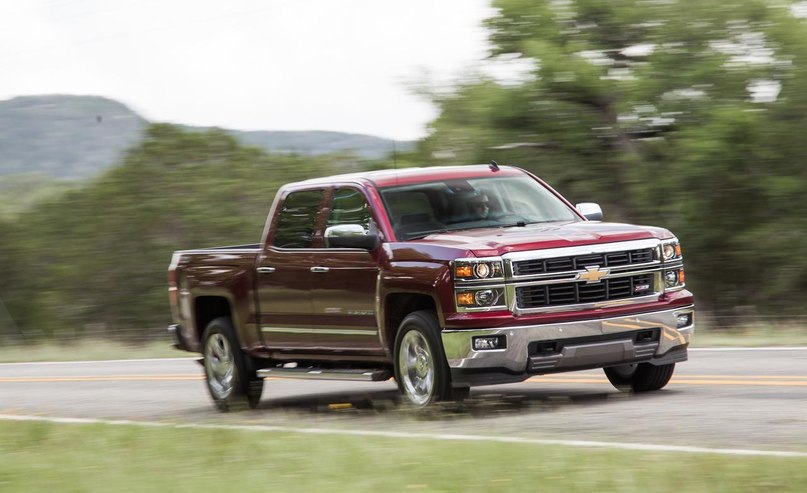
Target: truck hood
<point>485,242</point>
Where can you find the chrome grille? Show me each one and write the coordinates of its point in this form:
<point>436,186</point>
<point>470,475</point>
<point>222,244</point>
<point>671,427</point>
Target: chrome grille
<point>577,262</point>
<point>572,293</point>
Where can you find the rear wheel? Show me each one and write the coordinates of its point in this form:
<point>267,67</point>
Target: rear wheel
<point>421,369</point>
<point>231,384</point>
<point>639,377</point>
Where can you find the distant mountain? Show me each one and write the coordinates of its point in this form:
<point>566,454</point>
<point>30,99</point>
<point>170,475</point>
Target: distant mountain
<point>79,136</point>
<point>64,136</point>
<point>322,142</point>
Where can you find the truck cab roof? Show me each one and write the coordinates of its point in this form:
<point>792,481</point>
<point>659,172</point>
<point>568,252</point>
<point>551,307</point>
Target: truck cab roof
<point>407,176</point>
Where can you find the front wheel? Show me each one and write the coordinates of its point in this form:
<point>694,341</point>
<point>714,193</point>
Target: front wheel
<point>230,383</point>
<point>421,369</point>
<point>640,377</point>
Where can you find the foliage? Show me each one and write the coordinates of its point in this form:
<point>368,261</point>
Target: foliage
<point>21,191</point>
<point>98,255</point>
<point>666,113</point>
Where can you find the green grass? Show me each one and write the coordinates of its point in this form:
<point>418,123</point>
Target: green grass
<point>87,350</point>
<point>790,334</point>
<point>88,458</point>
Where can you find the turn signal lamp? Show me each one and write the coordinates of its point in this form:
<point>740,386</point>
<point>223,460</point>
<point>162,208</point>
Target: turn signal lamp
<point>464,271</point>
<point>465,299</point>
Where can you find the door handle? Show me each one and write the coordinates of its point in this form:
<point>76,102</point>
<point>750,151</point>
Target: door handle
<point>320,270</point>
<point>266,270</point>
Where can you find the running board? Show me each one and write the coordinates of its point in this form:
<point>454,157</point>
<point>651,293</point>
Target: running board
<point>362,375</point>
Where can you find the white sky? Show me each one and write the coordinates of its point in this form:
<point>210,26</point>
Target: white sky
<point>345,65</point>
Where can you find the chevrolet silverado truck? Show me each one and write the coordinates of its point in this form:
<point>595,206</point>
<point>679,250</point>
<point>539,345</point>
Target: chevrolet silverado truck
<point>441,278</point>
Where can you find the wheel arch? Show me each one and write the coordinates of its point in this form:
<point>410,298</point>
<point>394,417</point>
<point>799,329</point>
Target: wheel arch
<point>396,307</point>
<point>208,308</point>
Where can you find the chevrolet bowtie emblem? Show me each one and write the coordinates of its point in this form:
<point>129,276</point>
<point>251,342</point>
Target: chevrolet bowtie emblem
<point>593,274</point>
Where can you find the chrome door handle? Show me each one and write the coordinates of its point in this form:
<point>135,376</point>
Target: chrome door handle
<point>266,270</point>
<point>320,269</point>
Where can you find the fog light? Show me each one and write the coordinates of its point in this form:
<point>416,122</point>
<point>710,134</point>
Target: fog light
<point>487,343</point>
<point>684,319</point>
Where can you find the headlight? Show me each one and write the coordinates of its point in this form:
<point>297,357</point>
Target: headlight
<point>674,278</point>
<point>476,269</point>
<point>671,250</point>
<point>480,298</point>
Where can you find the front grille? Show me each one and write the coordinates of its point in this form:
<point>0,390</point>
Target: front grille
<point>571,293</point>
<point>577,262</point>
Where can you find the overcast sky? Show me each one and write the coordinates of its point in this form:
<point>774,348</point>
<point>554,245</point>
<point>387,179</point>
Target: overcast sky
<point>345,65</point>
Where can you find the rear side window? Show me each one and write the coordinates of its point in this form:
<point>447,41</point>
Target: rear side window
<point>349,207</point>
<point>297,219</point>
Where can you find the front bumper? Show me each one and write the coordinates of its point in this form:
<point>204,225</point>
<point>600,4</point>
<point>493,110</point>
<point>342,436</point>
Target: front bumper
<point>653,337</point>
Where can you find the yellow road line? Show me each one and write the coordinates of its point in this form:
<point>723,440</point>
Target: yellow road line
<point>109,378</point>
<point>772,383</point>
<point>750,380</point>
<point>683,381</point>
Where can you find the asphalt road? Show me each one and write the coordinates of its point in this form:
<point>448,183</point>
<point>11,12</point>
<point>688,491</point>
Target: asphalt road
<point>753,399</point>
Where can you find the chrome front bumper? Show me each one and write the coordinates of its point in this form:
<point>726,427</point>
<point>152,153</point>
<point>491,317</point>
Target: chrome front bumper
<point>548,348</point>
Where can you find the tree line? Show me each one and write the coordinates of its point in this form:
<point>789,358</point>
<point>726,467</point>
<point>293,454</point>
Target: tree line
<point>688,115</point>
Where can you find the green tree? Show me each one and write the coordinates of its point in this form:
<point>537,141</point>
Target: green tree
<point>684,114</point>
<point>99,254</point>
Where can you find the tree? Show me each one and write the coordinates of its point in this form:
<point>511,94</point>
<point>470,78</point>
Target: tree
<point>684,114</point>
<point>98,255</point>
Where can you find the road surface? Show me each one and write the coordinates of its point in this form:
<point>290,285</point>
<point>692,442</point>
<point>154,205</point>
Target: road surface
<point>750,399</point>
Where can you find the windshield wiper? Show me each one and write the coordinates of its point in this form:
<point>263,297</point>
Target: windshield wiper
<point>517,224</point>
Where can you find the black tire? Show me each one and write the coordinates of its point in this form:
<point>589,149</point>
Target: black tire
<point>640,377</point>
<point>421,370</point>
<point>230,382</point>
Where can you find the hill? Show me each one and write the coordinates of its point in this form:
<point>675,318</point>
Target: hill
<point>65,136</point>
<point>79,136</point>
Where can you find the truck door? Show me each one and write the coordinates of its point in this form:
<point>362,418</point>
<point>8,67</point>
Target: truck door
<point>284,271</point>
<point>345,281</point>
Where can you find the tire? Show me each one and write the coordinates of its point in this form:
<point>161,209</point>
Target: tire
<point>231,384</point>
<point>421,370</point>
<point>640,377</point>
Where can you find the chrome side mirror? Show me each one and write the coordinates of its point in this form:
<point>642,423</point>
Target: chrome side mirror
<point>590,211</point>
<point>350,236</point>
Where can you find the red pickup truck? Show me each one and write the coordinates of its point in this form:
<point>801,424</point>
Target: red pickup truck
<point>443,278</point>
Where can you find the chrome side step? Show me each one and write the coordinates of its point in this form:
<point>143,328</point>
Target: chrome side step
<point>361,375</point>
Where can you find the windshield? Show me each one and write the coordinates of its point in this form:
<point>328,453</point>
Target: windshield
<point>424,208</point>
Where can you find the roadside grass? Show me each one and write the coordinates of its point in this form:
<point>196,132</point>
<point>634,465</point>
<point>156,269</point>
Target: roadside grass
<point>87,350</point>
<point>787,334</point>
<point>53,457</point>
